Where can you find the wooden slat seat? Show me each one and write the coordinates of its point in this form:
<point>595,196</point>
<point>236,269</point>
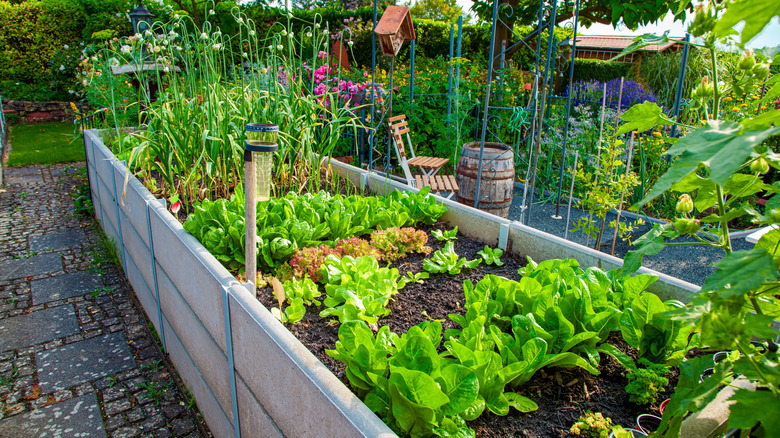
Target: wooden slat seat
<point>437,183</point>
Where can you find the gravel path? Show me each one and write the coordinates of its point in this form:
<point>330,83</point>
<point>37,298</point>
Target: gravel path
<point>690,263</point>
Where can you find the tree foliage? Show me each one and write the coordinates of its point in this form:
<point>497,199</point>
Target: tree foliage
<point>439,10</point>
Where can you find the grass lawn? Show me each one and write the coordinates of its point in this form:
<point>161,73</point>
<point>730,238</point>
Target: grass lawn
<point>44,143</point>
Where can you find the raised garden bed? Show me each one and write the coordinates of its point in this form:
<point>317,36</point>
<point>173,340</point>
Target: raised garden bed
<point>246,369</point>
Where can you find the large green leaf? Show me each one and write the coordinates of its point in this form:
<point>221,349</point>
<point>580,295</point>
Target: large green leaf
<point>722,147</point>
<point>643,117</point>
<point>752,407</point>
<point>755,13</point>
<point>461,386</point>
<point>770,242</point>
<point>648,39</point>
<point>740,272</point>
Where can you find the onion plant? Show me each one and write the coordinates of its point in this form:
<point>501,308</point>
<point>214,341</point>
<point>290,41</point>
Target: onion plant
<point>210,85</point>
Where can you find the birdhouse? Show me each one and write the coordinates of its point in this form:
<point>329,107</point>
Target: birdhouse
<point>394,28</point>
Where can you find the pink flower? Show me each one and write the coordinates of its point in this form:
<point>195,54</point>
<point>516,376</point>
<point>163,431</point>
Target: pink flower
<point>322,54</point>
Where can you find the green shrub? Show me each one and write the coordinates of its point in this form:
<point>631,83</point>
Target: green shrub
<point>602,71</point>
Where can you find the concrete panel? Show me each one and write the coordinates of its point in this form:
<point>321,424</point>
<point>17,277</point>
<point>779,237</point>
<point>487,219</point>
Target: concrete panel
<point>210,360</point>
<point>352,173</point>
<point>195,272</point>
<point>144,292</point>
<point>132,200</point>
<point>136,248</point>
<point>288,380</point>
<point>538,245</point>
<point>215,416</point>
<point>255,422</point>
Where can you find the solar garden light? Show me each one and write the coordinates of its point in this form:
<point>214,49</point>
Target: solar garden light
<point>258,160</point>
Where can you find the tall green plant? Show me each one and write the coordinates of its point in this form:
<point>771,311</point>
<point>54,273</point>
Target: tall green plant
<point>719,164</point>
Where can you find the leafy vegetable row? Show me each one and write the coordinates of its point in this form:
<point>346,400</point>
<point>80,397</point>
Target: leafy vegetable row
<point>556,315</point>
<point>302,221</point>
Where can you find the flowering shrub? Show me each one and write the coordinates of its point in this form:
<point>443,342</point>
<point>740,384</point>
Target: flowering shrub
<point>306,263</point>
<point>591,93</point>
<point>394,243</point>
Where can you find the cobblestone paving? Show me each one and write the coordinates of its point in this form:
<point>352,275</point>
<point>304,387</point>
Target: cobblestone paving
<point>76,355</point>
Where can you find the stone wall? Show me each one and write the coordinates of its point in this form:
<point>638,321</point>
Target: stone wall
<point>38,112</point>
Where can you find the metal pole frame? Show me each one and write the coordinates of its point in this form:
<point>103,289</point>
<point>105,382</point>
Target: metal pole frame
<point>568,107</point>
<point>449,75</point>
<point>680,84</point>
<point>372,137</point>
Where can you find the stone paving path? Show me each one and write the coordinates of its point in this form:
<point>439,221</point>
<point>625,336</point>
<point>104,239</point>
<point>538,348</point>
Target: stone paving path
<point>77,358</point>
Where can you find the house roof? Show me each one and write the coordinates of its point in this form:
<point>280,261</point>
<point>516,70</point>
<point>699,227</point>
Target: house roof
<point>618,43</point>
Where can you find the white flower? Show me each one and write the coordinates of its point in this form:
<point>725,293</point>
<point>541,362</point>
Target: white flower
<point>93,58</point>
<point>178,48</point>
<point>175,16</point>
<point>217,33</point>
<point>62,67</point>
<point>148,33</point>
<point>317,25</point>
<point>175,25</point>
<point>263,71</point>
<point>18,82</point>
<point>66,47</point>
<point>126,49</point>
<point>279,47</point>
<point>245,55</point>
<point>211,12</point>
<point>240,20</point>
<point>165,42</point>
<point>252,33</point>
<point>113,62</point>
<point>292,34</point>
<point>85,82</point>
<point>350,43</point>
<point>324,31</point>
<point>70,91</point>
<point>138,36</point>
<point>308,34</point>
<point>270,47</point>
<point>284,32</point>
<point>166,69</point>
<point>216,46</point>
<point>118,15</point>
<point>156,49</point>
<point>203,36</point>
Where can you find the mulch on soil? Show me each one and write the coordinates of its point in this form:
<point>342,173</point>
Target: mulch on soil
<point>562,394</point>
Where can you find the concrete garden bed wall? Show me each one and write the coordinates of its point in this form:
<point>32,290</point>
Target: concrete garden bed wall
<point>249,374</point>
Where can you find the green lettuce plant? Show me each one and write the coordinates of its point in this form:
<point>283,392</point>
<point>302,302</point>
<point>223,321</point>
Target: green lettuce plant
<point>445,235</point>
<point>446,260</point>
<point>492,256</point>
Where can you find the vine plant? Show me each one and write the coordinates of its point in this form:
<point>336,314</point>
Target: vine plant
<point>715,166</point>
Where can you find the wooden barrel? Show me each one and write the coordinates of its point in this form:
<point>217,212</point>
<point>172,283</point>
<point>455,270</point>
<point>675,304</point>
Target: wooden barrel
<point>498,177</point>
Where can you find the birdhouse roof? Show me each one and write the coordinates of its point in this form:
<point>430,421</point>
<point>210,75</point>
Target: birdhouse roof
<point>394,19</point>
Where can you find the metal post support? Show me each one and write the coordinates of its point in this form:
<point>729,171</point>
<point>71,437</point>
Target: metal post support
<point>568,107</point>
<point>680,84</point>
<point>487,103</point>
<point>541,107</point>
<point>411,76</point>
<point>154,276</point>
<point>372,137</point>
<point>449,76</point>
<point>460,36</point>
<point>98,205</point>
<point>571,194</point>
<point>501,68</point>
<point>119,220</point>
<point>229,353</point>
<point>250,194</point>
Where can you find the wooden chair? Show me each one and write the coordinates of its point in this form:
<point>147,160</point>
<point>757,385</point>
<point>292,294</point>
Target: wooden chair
<point>429,166</point>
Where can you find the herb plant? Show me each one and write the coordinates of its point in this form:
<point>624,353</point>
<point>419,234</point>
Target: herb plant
<point>644,384</point>
<point>592,424</point>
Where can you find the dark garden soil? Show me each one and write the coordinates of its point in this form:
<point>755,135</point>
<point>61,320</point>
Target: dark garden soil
<point>562,394</point>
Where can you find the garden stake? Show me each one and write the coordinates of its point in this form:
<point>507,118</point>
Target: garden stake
<point>598,149</point>
<point>763,90</point>
<point>571,193</point>
<point>250,192</point>
<point>622,194</point>
<point>530,149</point>
<point>619,102</point>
